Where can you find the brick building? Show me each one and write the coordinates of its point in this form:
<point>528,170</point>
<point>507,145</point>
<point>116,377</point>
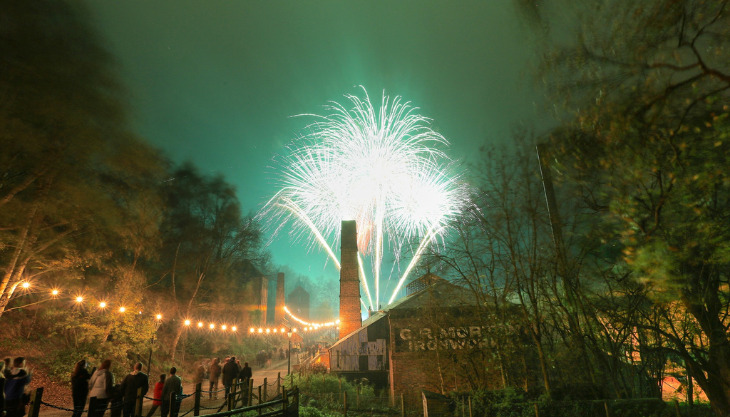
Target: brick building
<point>255,293</point>
<point>434,338</point>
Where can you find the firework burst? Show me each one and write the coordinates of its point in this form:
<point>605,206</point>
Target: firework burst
<point>384,168</point>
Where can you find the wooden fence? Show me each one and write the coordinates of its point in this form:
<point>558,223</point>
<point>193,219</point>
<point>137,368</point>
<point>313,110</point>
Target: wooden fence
<point>243,397</point>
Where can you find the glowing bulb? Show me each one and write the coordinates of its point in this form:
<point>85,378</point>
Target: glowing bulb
<point>294,330</point>
<point>251,330</point>
<point>234,328</point>
<point>79,299</point>
<point>158,317</point>
<point>187,322</point>
<point>282,330</point>
<point>26,285</point>
<point>275,330</point>
<point>122,309</point>
<point>268,330</point>
<point>200,324</point>
<point>224,327</point>
<point>54,292</point>
<point>261,330</point>
<point>211,326</point>
<point>102,304</point>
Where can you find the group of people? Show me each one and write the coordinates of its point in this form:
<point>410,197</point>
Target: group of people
<point>99,388</point>
<point>14,377</point>
<point>98,385</point>
<point>232,370</point>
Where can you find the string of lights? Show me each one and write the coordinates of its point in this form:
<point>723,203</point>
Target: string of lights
<point>80,299</point>
<point>308,326</point>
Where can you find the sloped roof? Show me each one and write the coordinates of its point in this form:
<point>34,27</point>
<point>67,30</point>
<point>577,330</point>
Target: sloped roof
<point>448,294</point>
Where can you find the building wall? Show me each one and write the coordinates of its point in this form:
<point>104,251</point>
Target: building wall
<point>424,354</point>
<point>363,354</point>
<point>256,292</point>
<point>280,300</point>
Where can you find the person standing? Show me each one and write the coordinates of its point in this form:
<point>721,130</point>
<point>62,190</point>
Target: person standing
<point>15,382</point>
<point>80,387</point>
<point>157,395</point>
<point>215,373</point>
<point>230,373</point>
<point>131,383</point>
<point>101,387</point>
<point>170,403</point>
<point>246,372</point>
<point>199,374</point>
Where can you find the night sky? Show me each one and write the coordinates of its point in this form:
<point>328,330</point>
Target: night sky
<point>216,82</point>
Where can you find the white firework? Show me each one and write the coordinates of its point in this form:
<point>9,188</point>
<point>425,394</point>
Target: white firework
<point>383,168</point>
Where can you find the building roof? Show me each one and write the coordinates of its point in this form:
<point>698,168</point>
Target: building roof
<point>446,293</point>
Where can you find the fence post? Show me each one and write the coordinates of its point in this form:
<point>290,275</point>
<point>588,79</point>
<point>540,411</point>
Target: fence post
<point>344,402</point>
<point>138,403</point>
<point>278,381</point>
<point>250,392</point>
<point>260,408</point>
<point>402,406</point>
<point>284,400</point>
<point>470,406</point>
<point>357,397</point>
<point>35,402</point>
<point>196,407</point>
<point>266,396</point>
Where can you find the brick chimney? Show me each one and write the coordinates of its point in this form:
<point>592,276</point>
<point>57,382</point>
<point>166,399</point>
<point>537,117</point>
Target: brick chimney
<point>350,318</point>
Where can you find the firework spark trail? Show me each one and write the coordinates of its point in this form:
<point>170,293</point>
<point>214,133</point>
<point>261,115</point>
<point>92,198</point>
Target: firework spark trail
<point>381,167</point>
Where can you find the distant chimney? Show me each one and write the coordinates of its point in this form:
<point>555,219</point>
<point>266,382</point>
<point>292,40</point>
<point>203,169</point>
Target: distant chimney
<point>280,300</point>
<point>350,318</point>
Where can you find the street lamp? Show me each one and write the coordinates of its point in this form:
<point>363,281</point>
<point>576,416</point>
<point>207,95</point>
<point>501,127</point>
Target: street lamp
<point>288,353</point>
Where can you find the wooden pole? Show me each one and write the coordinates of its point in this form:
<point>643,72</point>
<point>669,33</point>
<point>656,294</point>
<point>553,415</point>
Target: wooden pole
<point>261,408</point>
<point>357,398</point>
<point>284,401</point>
<point>278,381</point>
<point>138,403</point>
<point>266,396</point>
<point>344,402</point>
<point>35,402</point>
<point>196,407</point>
<point>470,406</point>
<point>537,413</point>
<point>250,392</point>
<point>605,407</point>
<point>402,406</point>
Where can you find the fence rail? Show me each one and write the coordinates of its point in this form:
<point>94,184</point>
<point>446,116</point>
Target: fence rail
<point>240,398</point>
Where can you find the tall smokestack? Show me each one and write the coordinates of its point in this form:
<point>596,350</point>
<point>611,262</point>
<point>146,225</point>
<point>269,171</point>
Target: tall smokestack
<point>350,319</point>
<point>280,299</point>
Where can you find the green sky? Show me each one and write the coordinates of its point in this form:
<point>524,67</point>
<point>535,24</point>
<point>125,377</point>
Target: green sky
<point>217,81</point>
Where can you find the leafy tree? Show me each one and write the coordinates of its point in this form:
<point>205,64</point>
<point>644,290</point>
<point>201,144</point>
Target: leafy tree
<point>71,176</point>
<point>207,244</point>
<point>646,145</point>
